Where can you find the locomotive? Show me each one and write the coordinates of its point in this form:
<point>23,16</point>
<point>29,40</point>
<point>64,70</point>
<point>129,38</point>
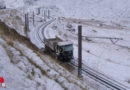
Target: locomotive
<point>61,50</point>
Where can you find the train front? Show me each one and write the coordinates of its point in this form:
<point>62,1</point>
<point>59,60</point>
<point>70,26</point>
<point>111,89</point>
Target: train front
<point>66,51</point>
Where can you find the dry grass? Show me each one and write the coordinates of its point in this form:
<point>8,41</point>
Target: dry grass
<point>11,35</point>
<point>10,42</point>
<point>10,54</point>
<point>12,18</point>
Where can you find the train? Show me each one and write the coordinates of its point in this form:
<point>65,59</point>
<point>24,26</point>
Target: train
<point>61,50</point>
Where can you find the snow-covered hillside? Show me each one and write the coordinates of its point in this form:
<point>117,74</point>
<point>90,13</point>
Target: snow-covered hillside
<point>110,59</point>
<point>14,19</point>
<point>108,10</point>
<point>24,67</point>
<point>99,18</point>
<point>14,3</point>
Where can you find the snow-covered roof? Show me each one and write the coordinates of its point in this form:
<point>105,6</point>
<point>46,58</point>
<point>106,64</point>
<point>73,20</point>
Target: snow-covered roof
<point>64,43</point>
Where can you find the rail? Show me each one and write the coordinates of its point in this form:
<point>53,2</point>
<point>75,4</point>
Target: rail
<point>41,30</point>
<point>102,79</point>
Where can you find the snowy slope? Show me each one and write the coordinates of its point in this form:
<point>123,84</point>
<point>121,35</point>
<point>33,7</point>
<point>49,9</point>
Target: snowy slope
<point>14,3</point>
<point>98,53</point>
<point>19,73</point>
<point>14,19</point>
<point>87,9</point>
<point>23,69</point>
<point>112,60</point>
<point>26,68</point>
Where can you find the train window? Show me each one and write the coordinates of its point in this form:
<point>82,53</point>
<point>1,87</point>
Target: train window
<point>67,47</point>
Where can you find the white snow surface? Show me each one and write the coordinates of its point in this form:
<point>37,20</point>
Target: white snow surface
<point>17,72</point>
<point>14,19</point>
<point>14,3</point>
<point>107,10</point>
<point>112,60</point>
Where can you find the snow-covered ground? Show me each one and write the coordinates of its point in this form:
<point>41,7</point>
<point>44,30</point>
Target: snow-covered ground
<point>16,70</point>
<point>112,60</point>
<point>116,11</point>
<point>14,19</point>
<point>20,74</point>
<point>99,18</point>
<point>24,69</point>
<point>102,55</point>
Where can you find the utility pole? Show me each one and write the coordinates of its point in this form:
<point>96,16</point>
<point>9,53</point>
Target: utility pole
<point>42,12</point>
<point>79,51</point>
<point>48,13</point>
<point>26,23</point>
<point>38,11</point>
<point>33,18</point>
<point>45,15</point>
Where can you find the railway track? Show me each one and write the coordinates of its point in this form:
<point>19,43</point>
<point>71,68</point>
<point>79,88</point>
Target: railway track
<point>38,35</point>
<point>102,79</point>
<point>41,30</point>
